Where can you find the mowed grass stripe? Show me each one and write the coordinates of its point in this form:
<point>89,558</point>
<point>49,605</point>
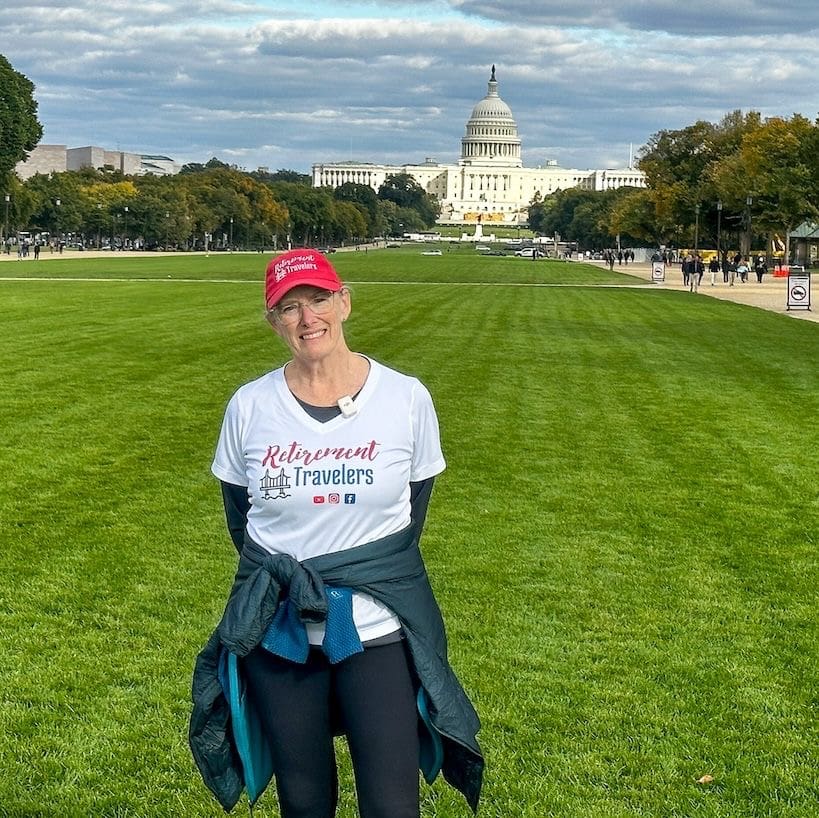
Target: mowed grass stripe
<point>351,283</point>
<point>457,264</point>
<point>623,543</point>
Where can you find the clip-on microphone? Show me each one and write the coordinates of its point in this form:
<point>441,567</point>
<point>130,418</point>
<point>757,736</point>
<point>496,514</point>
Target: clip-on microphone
<point>347,406</point>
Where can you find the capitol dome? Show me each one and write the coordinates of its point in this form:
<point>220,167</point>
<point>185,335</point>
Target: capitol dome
<point>491,132</point>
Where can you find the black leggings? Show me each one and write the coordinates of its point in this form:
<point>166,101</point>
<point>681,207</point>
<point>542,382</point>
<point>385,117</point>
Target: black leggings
<point>372,697</point>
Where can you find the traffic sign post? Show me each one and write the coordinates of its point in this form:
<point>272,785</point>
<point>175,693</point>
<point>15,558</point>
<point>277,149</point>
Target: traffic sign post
<point>798,289</point>
<point>658,271</point>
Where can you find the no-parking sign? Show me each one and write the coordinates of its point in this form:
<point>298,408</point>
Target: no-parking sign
<point>658,271</point>
<point>798,289</point>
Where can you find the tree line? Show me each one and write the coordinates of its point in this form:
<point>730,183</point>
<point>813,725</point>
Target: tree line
<point>206,205</point>
<point>213,206</point>
<point>740,181</point>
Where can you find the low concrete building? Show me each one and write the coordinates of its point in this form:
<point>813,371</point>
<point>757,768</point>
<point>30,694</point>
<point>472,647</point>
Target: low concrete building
<point>58,158</point>
<point>43,159</point>
<point>93,157</point>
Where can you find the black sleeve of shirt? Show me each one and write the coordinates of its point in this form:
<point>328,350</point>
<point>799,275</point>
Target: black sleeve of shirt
<point>237,505</point>
<point>419,500</point>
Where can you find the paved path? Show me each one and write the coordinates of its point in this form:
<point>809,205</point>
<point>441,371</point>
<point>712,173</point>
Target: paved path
<point>771,295</point>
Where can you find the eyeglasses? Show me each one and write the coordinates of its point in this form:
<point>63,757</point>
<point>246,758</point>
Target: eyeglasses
<point>290,312</point>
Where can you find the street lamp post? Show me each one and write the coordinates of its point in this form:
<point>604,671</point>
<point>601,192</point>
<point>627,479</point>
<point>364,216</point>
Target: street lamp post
<point>126,228</point>
<point>719,237</point>
<point>57,202</point>
<point>167,227</point>
<point>6,222</point>
<point>748,202</point>
<point>694,270</point>
<point>231,235</point>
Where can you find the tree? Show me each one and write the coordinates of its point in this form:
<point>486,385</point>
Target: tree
<point>349,220</point>
<point>148,204</point>
<point>309,209</point>
<point>645,215</point>
<point>20,130</point>
<point>197,167</point>
<point>58,202</point>
<point>775,167</point>
<point>21,205</point>
<point>536,214</point>
<point>192,167</point>
<point>680,165</point>
<point>363,196</point>
<point>589,217</point>
<point>282,175</point>
<point>267,217</point>
<point>559,217</point>
<point>812,149</point>
<point>398,220</point>
<point>405,192</point>
<point>224,191</point>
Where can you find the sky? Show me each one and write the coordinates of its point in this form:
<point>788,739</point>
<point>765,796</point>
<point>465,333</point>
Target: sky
<point>285,85</point>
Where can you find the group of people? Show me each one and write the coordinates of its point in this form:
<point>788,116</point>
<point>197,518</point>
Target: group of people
<point>739,266</point>
<point>621,256</point>
<point>26,249</point>
<point>692,270</point>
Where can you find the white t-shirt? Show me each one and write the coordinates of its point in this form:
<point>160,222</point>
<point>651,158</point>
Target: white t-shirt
<point>316,488</point>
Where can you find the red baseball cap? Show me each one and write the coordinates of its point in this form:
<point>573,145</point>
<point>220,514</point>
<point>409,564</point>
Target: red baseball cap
<point>297,267</point>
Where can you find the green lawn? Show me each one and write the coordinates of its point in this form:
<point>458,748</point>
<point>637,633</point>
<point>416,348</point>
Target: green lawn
<point>624,543</point>
<point>456,263</point>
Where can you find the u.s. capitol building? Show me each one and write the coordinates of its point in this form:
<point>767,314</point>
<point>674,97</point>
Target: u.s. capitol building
<point>489,184</point>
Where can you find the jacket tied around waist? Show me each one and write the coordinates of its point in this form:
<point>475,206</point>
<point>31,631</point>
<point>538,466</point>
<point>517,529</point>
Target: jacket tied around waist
<point>275,588</point>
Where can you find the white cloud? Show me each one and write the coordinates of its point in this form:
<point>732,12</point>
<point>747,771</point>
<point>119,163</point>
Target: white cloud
<point>690,18</point>
<point>261,82</point>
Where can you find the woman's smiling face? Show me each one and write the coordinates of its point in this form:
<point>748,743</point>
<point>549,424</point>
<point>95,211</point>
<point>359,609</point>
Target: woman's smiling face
<point>309,320</point>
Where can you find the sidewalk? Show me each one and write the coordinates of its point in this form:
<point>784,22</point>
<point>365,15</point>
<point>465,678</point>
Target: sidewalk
<point>771,294</point>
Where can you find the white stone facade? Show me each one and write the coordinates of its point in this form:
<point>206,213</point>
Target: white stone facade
<point>43,159</point>
<point>489,184</point>
<point>94,157</point>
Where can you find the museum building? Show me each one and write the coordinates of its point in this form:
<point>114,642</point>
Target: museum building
<point>489,183</point>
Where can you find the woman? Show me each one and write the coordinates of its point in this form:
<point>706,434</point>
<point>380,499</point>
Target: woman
<point>326,467</point>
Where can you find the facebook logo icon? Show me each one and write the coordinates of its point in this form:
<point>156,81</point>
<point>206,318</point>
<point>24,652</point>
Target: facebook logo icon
<point>349,499</point>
